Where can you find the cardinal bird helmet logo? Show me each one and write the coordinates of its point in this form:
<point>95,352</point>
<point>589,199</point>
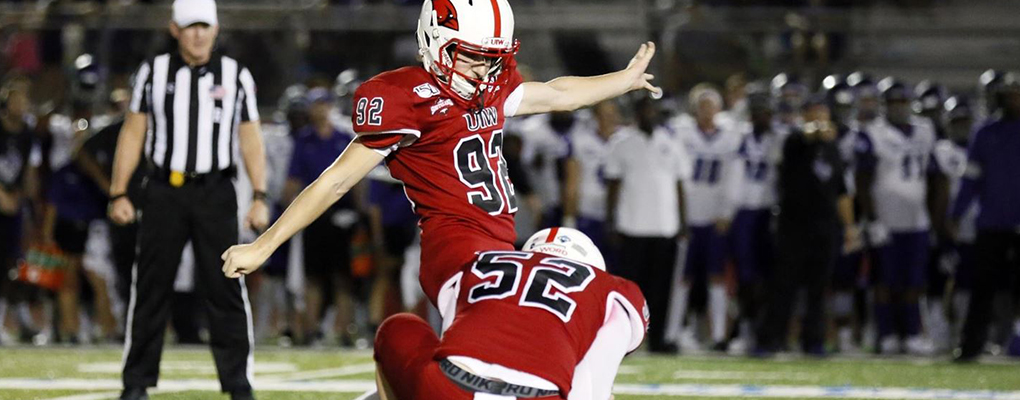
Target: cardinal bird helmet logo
<point>446,14</point>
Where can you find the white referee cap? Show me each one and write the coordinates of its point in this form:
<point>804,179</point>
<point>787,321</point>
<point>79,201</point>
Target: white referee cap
<point>189,12</point>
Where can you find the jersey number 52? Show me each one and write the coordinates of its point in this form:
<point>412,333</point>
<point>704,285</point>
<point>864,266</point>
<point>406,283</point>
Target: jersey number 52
<point>547,287</point>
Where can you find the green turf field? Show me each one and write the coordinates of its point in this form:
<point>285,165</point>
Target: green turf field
<point>92,374</point>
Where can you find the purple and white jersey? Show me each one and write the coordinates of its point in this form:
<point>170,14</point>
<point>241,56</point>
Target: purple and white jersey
<point>542,152</point>
<point>712,158</point>
<point>755,170</point>
<point>952,160</point>
<point>590,150</point>
<point>901,162</point>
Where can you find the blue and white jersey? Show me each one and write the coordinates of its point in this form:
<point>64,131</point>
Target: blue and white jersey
<point>755,170</point>
<point>952,160</point>
<point>901,162</point>
<point>590,150</point>
<point>712,158</point>
<point>543,150</point>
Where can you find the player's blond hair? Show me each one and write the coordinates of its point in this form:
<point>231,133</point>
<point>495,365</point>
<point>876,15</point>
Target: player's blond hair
<point>703,91</point>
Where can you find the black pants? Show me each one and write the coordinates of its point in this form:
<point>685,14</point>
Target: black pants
<point>10,251</point>
<point>206,214</point>
<point>123,240</point>
<point>806,259</point>
<point>650,262</point>
<point>327,250</point>
<point>994,266</point>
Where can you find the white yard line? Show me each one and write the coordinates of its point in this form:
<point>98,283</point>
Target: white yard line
<point>193,367</point>
<point>744,375</point>
<point>280,383</point>
<point>736,391</point>
<point>349,370</point>
<point>91,396</point>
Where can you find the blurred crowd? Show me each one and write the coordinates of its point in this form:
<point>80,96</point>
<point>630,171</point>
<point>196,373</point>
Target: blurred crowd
<point>686,195</point>
<point>781,214</point>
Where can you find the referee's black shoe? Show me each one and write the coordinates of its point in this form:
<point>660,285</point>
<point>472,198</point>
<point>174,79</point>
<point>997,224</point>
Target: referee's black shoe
<point>134,393</point>
<point>244,394</point>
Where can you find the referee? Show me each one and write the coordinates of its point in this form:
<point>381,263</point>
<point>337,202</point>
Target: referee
<point>188,111</point>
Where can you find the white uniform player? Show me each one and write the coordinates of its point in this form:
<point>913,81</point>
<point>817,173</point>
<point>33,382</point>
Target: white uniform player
<point>545,147</point>
<point>952,159</point>
<point>901,163</point>
<point>710,202</point>
<point>591,151</point>
<point>713,159</point>
<point>755,171</point>
<point>894,159</point>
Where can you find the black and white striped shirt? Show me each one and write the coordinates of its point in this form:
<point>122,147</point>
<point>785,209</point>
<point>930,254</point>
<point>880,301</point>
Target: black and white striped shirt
<point>193,112</point>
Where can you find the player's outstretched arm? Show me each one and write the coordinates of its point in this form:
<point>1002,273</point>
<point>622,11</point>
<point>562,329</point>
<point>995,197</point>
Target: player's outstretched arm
<point>348,169</point>
<point>570,93</point>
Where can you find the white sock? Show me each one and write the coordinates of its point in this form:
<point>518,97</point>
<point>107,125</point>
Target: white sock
<point>746,330</point>
<point>25,316</point>
<point>937,314</point>
<point>1016,327</point>
<point>842,305</point>
<point>717,299</point>
<point>677,312</point>
<point>939,329</point>
<point>3,314</point>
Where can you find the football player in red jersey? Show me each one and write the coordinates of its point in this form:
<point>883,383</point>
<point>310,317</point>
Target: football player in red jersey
<point>547,322</point>
<point>439,128</point>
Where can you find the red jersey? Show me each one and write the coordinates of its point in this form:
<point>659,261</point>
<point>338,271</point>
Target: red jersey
<point>450,160</point>
<point>537,313</point>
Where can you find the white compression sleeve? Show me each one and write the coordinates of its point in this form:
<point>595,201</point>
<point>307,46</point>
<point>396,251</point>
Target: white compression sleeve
<point>594,375</point>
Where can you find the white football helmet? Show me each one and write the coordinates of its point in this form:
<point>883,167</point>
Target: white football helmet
<point>567,243</point>
<point>476,28</point>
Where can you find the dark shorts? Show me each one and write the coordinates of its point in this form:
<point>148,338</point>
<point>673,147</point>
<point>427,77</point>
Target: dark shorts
<point>903,262</point>
<point>397,238</point>
<point>327,250</point>
<point>847,272</point>
<point>10,249</point>
<point>753,245</point>
<point>71,235</point>
<point>706,253</point>
<point>10,239</point>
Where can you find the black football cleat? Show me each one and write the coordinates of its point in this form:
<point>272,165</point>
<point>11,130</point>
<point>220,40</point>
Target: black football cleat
<point>244,394</point>
<point>134,393</point>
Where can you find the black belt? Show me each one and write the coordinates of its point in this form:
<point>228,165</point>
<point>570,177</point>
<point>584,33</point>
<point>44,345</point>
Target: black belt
<point>178,179</point>
<point>475,383</point>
